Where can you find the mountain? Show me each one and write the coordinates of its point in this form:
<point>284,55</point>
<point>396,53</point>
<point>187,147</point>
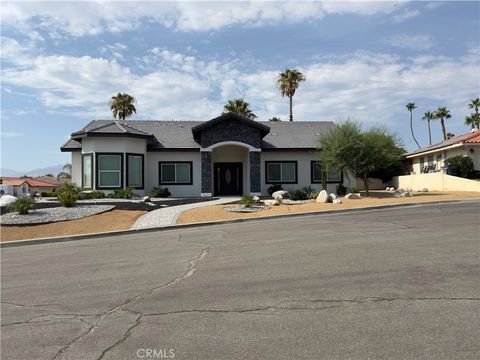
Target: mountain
<point>54,170</point>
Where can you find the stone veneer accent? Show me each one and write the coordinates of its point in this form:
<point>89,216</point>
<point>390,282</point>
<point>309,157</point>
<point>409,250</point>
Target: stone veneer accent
<point>206,171</point>
<point>231,130</point>
<point>255,186</point>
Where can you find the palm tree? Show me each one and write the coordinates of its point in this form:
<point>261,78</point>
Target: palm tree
<point>475,104</point>
<point>122,106</point>
<point>410,107</point>
<point>288,82</point>
<point>239,106</point>
<point>67,168</point>
<point>473,120</point>
<point>275,119</point>
<point>429,116</point>
<point>443,113</point>
<point>450,135</point>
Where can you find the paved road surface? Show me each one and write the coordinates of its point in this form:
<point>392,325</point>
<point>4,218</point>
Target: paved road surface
<point>389,284</point>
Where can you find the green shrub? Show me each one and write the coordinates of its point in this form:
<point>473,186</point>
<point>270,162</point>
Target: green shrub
<point>341,190</point>
<point>273,188</point>
<point>159,192</point>
<point>68,195</point>
<point>48,194</point>
<point>22,205</point>
<point>298,194</point>
<point>126,193</point>
<point>352,190</point>
<point>462,166</point>
<point>247,200</point>
<point>92,195</point>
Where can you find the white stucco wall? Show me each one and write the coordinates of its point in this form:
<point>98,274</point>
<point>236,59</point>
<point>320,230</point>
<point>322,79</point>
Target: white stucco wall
<point>77,168</point>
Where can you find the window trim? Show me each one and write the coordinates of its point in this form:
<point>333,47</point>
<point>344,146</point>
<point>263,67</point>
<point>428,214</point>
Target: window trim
<point>97,173</point>
<point>143,170</point>
<point>90,154</point>
<point>295,162</point>
<point>160,182</point>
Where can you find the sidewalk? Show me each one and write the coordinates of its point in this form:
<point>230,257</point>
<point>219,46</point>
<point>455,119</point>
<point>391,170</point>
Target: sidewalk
<point>168,216</point>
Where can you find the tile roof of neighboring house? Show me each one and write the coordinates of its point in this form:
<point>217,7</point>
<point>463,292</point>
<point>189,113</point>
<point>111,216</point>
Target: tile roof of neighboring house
<point>471,137</point>
<point>178,134</point>
<point>50,179</point>
<point>12,181</point>
<point>7,180</point>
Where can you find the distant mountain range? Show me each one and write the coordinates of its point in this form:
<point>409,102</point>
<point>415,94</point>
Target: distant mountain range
<point>54,170</point>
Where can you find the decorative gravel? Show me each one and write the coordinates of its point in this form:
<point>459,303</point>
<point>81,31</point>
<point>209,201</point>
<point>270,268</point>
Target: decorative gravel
<point>296,202</point>
<point>250,209</point>
<point>49,215</point>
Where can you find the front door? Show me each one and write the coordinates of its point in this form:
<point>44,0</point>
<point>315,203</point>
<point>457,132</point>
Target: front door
<point>228,178</point>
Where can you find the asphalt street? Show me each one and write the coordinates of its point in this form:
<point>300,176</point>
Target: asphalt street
<point>385,284</point>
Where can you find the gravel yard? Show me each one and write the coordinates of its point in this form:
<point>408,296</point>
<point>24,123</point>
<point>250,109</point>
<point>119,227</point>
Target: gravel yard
<point>49,215</point>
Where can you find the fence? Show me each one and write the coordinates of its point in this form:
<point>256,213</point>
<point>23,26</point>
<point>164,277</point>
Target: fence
<point>438,181</point>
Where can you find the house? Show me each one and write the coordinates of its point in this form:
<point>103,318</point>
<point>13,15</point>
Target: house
<point>20,187</point>
<point>228,155</point>
<point>431,158</point>
<point>59,181</point>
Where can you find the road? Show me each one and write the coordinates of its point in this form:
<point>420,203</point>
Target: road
<point>387,284</point>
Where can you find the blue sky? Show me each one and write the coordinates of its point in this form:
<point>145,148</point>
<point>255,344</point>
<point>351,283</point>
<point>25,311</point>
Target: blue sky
<point>61,62</point>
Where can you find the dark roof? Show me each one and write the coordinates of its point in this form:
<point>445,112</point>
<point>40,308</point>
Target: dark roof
<point>111,128</point>
<point>71,145</point>
<point>177,134</point>
<point>452,141</point>
<point>204,125</point>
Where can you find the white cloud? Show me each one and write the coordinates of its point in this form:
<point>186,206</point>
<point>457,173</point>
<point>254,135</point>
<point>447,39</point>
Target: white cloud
<point>411,42</point>
<point>405,15</point>
<point>93,18</point>
<point>10,134</point>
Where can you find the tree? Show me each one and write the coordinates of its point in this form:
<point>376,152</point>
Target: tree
<point>410,107</point>
<point>429,116</point>
<point>450,135</point>
<point>67,169</point>
<point>475,104</point>
<point>239,106</point>
<point>443,113</point>
<point>363,153</point>
<point>122,106</point>
<point>288,82</point>
<point>474,118</point>
<point>274,119</point>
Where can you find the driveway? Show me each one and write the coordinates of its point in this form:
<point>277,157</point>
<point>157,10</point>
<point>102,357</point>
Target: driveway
<point>385,284</point>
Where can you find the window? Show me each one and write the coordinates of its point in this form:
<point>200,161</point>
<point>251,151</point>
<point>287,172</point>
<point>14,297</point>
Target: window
<point>87,171</point>
<point>282,172</point>
<point>422,165</point>
<point>316,171</point>
<point>334,175</point>
<point>135,171</point>
<point>175,173</point>
<point>109,170</point>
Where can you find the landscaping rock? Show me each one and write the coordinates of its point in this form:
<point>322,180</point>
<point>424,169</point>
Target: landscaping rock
<point>323,197</point>
<point>271,202</point>
<point>423,190</point>
<point>6,200</point>
<point>256,199</point>
<point>337,201</point>
<point>353,196</point>
<point>279,192</point>
<point>278,198</point>
<point>333,196</point>
<point>146,199</point>
<point>403,193</point>
<point>249,209</point>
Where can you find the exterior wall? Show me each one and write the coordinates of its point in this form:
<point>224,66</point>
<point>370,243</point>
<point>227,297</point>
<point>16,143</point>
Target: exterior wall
<point>6,189</point>
<point>152,173</point>
<point>442,154</point>
<point>438,181</point>
<point>233,153</point>
<point>77,168</point>
<point>231,130</point>
<point>40,189</point>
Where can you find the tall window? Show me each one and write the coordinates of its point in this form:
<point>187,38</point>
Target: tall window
<point>109,170</point>
<point>87,171</point>
<point>175,173</point>
<point>281,172</point>
<point>316,171</point>
<point>135,170</point>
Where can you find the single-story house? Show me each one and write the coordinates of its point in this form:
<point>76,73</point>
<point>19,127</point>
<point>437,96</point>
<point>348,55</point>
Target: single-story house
<point>20,187</point>
<point>228,155</point>
<point>431,158</point>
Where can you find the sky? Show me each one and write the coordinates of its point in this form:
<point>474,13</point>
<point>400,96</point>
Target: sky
<point>61,61</point>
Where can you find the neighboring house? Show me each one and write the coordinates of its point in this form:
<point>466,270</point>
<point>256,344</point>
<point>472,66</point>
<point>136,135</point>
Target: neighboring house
<point>228,155</point>
<point>431,158</point>
<point>23,186</point>
<point>58,181</point>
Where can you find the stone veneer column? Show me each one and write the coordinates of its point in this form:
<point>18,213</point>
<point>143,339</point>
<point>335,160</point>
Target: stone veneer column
<point>206,173</point>
<point>255,187</point>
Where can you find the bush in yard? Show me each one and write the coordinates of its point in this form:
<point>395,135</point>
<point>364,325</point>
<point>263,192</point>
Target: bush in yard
<point>22,205</point>
<point>463,166</point>
<point>341,190</point>
<point>298,194</point>
<point>352,190</point>
<point>247,200</point>
<point>275,187</point>
<point>159,192</point>
<point>48,194</point>
<point>126,193</point>
<point>68,195</point>
<point>92,195</point>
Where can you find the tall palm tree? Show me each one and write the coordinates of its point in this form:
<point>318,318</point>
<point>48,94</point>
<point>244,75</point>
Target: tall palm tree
<point>288,82</point>
<point>443,113</point>
<point>122,106</point>
<point>67,168</point>
<point>239,106</point>
<point>429,116</point>
<point>473,120</point>
<point>475,104</point>
<point>410,107</point>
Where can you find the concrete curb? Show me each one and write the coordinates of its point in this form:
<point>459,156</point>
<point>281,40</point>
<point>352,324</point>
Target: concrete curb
<point>39,241</point>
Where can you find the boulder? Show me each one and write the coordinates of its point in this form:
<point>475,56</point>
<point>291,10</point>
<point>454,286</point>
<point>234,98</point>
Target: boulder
<point>402,194</point>
<point>333,196</point>
<point>278,198</point>
<point>323,197</point>
<point>353,196</point>
<point>256,199</point>
<point>337,201</point>
<point>279,192</point>
<point>146,199</point>
<point>271,202</point>
<point>423,190</point>
<point>6,200</point>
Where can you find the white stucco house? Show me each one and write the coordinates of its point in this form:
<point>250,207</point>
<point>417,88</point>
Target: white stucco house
<point>228,155</point>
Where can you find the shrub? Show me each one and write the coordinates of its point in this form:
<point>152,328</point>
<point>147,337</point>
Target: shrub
<point>22,205</point>
<point>247,200</point>
<point>273,188</point>
<point>126,193</point>
<point>159,192</point>
<point>68,195</point>
<point>48,194</point>
<point>92,195</point>
<point>461,166</point>
<point>352,190</point>
<point>298,194</point>
<point>341,190</point>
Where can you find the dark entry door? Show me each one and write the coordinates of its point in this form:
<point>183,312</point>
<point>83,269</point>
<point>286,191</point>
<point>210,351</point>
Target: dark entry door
<point>228,178</point>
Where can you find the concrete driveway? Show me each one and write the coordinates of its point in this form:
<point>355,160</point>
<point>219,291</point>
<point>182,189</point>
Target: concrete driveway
<point>386,284</point>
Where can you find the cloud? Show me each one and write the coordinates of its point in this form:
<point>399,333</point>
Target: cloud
<point>411,42</point>
<point>405,15</point>
<point>10,134</point>
<point>92,18</point>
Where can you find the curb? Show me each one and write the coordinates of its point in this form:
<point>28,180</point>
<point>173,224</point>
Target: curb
<point>57,239</point>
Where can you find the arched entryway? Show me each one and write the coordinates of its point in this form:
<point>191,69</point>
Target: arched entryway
<point>230,169</point>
